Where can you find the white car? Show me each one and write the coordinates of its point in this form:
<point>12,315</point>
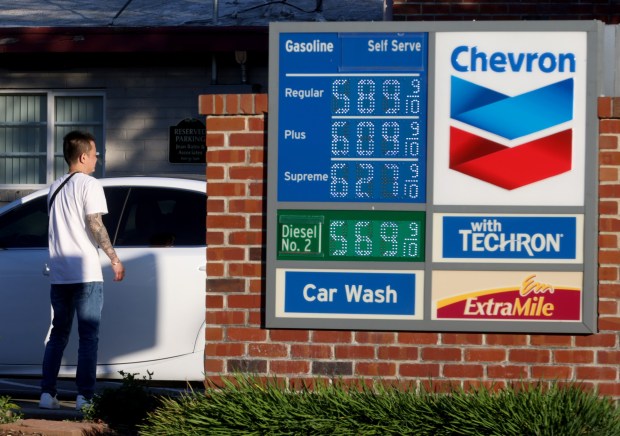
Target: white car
<point>153,320</point>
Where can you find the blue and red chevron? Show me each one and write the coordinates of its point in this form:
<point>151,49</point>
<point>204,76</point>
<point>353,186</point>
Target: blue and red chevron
<point>511,118</point>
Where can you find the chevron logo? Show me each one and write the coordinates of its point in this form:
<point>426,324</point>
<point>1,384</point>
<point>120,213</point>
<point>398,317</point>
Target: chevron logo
<point>511,118</point>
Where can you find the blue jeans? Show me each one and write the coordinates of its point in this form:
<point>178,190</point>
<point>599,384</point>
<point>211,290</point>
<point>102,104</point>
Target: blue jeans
<point>86,300</point>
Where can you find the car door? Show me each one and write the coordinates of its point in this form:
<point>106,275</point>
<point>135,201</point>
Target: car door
<point>157,311</point>
<point>24,286</point>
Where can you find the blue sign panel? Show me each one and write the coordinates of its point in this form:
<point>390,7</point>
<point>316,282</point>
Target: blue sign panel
<point>350,292</point>
<point>510,237</point>
<point>352,117</point>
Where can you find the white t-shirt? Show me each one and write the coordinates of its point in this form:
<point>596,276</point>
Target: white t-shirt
<point>73,250</point>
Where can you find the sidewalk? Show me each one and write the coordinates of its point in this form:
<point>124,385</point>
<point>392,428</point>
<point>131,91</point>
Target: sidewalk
<point>65,421</point>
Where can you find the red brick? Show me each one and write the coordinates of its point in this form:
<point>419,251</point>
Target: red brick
<point>608,207</point>
<point>606,357</point>
<point>225,124</point>
<point>382,338</point>
<point>246,104</point>
<point>289,335</point>
<point>447,354</point>
<point>256,124</point>
<point>225,155</point>
<point>528,355</point>
<point>463,371</point>
<point>607,308</point>
<point>227,190</point>
<point>608,273</point>
<point>607,241</point>
<point>417,338</point>
<point>214,365</point>
<point>604,107</point>
<point>244,334</point>
<point>247,139</point>
<point>608,142</point>
<point>215,172</point>
<point>600,340</point>
<point>573,356</point>
<point>215,301</point>
<point>597,372</point>
<point>245,269</point>
<point>332,336</point>
<point>206,104</point>
<point>267,350</point>
<point>214,334</point>
<point>354,352</point>
<point>506,339</point>
<point>245,206</point>
<point>551,340</point>
<point>421,370</point>
<point>224,349</point>
<point>245,238</point>
<point>261,103</point>
<point>609,389</point>
<point>608,175</point>
<point>215,140</point>
<point>461,339</point>
<point>609,290</point>
<point>609,126</point>
<point>246,301</point>
<point>225,253</point>
<point>215,238</point>
<point>221,317</point>
<point>246,173</point>
<point>215,269</point>
<point>398,353</point>
<point>379,369</point>
<point>225,222</point>
<point>485,355</point>
<point>609,323</point>
<point>232,104</point>
<point>507,371</point>
<point>311,351</point>
<point>552,372</point>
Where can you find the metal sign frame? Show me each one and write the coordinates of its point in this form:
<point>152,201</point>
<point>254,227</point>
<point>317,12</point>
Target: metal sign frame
<point>544,280</point>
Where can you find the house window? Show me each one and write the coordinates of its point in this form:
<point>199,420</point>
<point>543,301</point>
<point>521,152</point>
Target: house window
<point>32,126</point>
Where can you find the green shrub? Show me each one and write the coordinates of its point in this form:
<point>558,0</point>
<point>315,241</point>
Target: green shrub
<point>125,407</point>
<point>249,407</point>
<point>8,411</point>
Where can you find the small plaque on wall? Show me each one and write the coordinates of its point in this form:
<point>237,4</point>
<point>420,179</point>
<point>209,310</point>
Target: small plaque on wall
<point>188,142</point>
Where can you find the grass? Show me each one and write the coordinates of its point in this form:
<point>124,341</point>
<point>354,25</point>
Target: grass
<point>250,406</point>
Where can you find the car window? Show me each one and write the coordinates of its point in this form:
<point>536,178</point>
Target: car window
<point>115,198</point>
<point>25,226</point>
<point>163,217</point>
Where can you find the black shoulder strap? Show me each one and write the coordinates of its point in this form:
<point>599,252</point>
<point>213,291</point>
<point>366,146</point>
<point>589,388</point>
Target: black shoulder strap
<point>49,207</point>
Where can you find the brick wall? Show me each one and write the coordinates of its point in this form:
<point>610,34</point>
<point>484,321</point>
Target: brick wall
<point>235,340</point>
<point>607,11</point>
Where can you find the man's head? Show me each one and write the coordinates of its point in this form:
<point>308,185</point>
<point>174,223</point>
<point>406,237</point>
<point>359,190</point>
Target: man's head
<point>80,151</point>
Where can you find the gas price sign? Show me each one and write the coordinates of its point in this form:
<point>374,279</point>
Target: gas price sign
<point>352,117</point>
<point>351,235</point>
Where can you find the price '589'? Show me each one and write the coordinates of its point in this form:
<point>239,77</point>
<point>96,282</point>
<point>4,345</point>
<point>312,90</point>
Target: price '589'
<point>393,96</point>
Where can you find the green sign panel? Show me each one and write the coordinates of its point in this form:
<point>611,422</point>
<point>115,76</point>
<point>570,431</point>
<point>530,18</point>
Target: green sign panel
<point>396,236</point>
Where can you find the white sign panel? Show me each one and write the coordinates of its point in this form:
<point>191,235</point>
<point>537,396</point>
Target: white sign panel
<point>509,118</point>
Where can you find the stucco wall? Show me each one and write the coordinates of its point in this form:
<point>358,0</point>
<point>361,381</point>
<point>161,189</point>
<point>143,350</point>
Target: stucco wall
<point>237,341</point>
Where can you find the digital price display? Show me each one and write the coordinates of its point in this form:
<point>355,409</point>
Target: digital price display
<point>352,117</point>
<point>385,236</point>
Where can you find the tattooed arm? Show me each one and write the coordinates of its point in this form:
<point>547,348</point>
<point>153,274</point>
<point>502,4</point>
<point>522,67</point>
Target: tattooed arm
<point>99,232</point>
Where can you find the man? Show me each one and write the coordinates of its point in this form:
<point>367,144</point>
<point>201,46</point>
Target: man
<point>76,202</point>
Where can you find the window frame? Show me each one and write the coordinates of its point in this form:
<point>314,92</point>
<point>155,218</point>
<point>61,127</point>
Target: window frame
<point>51,125</point>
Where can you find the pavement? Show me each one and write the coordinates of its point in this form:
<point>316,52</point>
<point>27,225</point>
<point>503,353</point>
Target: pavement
<point>66,421</point>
